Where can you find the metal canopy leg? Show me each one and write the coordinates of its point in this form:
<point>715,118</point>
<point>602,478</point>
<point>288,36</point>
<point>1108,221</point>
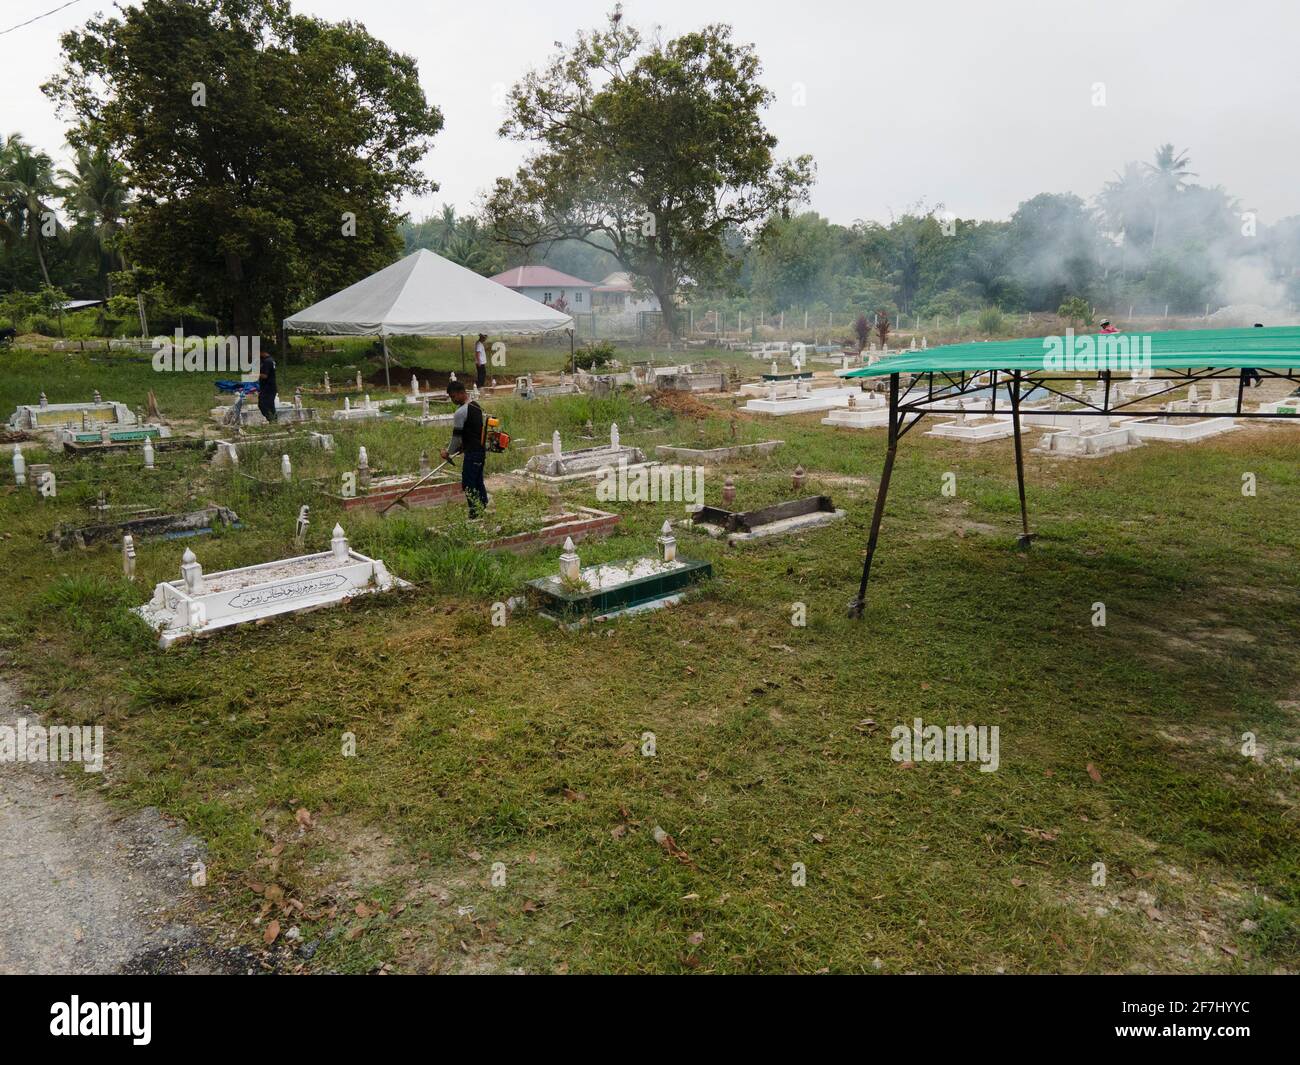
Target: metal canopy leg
<point>859,604</point>
<point>1026,537</point>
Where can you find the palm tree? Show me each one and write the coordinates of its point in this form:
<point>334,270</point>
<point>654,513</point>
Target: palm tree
<point>1125,207</point>
<point>1169,175</point>
<point>26,187</point>
<point>97,193</point>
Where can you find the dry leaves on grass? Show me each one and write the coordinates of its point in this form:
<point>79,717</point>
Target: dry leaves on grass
<point>1093,772</point>
<point>670,845</point>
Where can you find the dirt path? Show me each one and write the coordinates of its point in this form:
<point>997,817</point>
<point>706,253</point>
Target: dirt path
<point>86,889</point>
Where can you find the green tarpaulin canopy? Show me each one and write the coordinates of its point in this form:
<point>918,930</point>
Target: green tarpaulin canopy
<point>1274,349</point>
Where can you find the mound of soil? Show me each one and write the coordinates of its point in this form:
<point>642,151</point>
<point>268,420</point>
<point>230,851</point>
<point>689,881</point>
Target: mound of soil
<point>681,404</point>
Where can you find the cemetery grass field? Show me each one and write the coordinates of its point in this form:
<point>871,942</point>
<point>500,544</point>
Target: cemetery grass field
<point>522,744</point>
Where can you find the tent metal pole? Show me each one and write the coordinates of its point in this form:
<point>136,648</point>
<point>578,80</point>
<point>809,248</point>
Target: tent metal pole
<point>857,606</point>
<point>388,383</point>
<point>462,354</point>
<point>1026,538</point>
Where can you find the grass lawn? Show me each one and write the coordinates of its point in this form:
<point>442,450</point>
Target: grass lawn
<point>524,744</point>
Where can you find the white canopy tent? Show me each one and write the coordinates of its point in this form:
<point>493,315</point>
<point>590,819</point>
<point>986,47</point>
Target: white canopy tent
<point>426,295</point>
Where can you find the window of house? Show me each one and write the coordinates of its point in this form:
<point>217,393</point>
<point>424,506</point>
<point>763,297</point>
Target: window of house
<point>546,297</point>
<point>577,297</point>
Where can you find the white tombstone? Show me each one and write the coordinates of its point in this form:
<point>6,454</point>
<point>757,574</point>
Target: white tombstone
<point>613,434</point>
<point>48,485</point>
<point>1193,396</point>
<point>363,458</point>
<point>853,400</point>
<point>44,402</point>
<point>300,528</point>
<point>453,375</point>
<point>1215,393</point>
<point>844,362</point>
<point>347,404</point>
<point>556,450</point>
<point>98,397</point>
<point>570,567</point>
<point>366,404</point>
<point>339,544</point>
<point>105,437</point>
<point>667,543</point>
<point>360,385</point>
<point>148,454</point>
<point>912,346</point>
<point>415,386</point>
<point>286,468</point>
<point>297,398</point>
<point>775,369</point>
<point>1078,388</point>
<point>424,407</point>
<point>327,382</point>
<point>771,390</point>
<point>20,466</point>
<point>192,573</point>
<point>128,557</point>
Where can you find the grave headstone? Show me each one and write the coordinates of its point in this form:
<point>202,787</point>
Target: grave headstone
<point>667,543</point>
<point>148,454</point>
<point>570,567</point>
<point>128,557</point>
<point>20,466</point>
<point>300,527</point>
<point>286,468</point>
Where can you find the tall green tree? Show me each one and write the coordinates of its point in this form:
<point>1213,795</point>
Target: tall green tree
<point>96,194</point>
<point>654,150</point>
<point>267,148</point>
<point>27,193</point>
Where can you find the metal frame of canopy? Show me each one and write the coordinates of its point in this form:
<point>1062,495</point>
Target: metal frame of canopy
<point>940,386</point>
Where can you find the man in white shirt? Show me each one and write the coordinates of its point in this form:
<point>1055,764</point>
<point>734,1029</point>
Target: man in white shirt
<point>480,361</point>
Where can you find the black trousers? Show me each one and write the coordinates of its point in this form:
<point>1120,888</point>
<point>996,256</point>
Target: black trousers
<point>266,404</point>
<point>471,479</point>
<point>480,374</point>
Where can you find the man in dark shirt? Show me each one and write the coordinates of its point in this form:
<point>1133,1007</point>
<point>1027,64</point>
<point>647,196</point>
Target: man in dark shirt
<point>469,440</point>
<point>266,387</point>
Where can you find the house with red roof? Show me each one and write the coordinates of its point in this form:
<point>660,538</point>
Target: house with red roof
<point>549,286</point>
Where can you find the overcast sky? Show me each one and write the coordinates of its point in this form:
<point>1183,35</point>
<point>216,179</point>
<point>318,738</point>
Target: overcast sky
<point>975,106</point>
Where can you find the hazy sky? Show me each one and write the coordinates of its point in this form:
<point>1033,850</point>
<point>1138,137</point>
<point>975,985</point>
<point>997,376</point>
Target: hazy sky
<point>976,106</point>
